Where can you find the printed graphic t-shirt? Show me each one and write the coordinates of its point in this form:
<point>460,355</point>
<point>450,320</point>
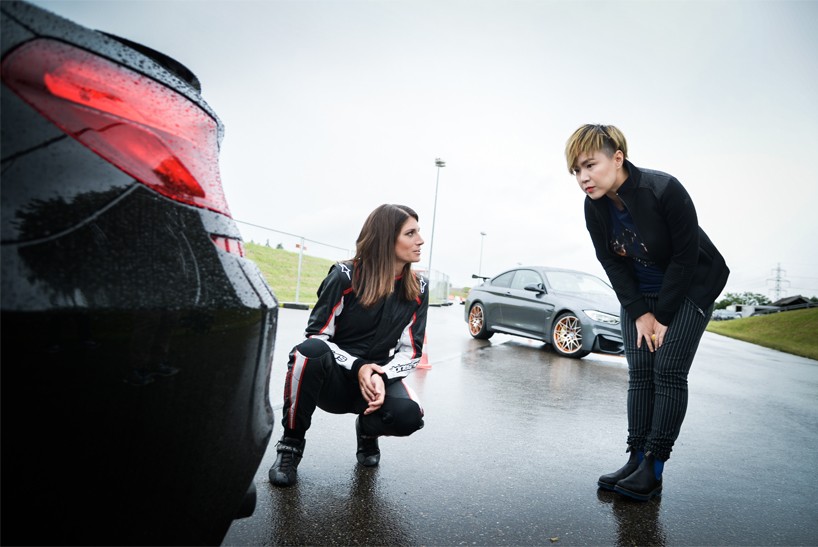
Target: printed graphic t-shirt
<point>625,241</point>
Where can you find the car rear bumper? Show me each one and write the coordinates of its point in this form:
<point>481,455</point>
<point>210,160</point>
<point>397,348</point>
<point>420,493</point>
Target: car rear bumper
<point>136,366</point>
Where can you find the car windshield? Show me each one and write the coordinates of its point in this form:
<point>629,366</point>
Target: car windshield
<point>578,283</point>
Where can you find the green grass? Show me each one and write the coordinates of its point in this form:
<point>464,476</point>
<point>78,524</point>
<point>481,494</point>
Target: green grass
<point>280,269</point>
<point>794,332</point>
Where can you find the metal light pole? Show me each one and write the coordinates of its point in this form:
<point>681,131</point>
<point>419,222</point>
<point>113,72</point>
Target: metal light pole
<point>440,163</point>
<point>480,267</point>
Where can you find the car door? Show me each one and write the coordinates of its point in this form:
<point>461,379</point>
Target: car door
<point>524,310</point>
<point>495,294</point>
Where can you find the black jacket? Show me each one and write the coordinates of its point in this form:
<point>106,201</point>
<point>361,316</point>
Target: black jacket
<point>666,221</point>
<point>389,334</point>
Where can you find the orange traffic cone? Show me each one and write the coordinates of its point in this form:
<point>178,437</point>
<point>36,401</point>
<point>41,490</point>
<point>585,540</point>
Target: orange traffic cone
<point>424,357</point>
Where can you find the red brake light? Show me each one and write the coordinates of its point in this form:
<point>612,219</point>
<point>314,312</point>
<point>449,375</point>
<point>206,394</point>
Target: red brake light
<point>228,244</point>
<point>145,129</point>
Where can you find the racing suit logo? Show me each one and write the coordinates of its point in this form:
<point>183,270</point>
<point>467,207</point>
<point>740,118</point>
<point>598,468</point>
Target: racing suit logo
<point>406,366</point>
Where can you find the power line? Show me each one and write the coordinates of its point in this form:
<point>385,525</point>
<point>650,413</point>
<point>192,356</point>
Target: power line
<point>778,281</point>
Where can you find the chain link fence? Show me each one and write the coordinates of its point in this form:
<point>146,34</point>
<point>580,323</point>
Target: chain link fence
<point>439,287</point>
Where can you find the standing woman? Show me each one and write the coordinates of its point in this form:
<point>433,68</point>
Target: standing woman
<point>666,273</point>
<point>364,335</point>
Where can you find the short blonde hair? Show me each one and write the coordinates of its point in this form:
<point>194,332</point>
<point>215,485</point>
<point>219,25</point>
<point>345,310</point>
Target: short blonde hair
<point>592,138</point>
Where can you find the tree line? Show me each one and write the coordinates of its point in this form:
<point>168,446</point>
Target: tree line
<point>747,299</point>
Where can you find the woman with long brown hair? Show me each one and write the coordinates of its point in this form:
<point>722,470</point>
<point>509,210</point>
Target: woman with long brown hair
<point>364,336</point>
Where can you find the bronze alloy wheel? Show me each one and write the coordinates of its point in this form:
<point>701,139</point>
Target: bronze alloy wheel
<point>477,323</point>
<point>567,336</point>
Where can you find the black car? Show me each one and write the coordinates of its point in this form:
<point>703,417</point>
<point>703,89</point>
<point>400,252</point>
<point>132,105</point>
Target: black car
<point>575,312</point>
<point>137,339</point>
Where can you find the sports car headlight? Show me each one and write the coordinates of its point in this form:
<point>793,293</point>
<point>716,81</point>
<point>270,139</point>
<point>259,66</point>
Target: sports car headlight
<point>602,317</point>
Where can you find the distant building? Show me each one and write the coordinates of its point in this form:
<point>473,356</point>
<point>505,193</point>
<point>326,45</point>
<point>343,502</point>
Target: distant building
<point>746,310</point>
<point>784,304</point>
<point>791,301</point>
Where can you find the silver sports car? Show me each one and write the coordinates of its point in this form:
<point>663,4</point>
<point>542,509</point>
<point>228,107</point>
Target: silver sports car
<point>575,312</point>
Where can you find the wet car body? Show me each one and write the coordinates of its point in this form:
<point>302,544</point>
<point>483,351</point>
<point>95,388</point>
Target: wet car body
<point>137,340</point>
<point>575,312</point>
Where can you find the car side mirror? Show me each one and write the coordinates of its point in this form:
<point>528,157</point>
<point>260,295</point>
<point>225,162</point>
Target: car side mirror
<point>535,287</point>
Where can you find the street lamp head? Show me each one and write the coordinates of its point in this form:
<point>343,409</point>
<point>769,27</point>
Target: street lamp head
<point>482,233</point>
<point>439,162</point>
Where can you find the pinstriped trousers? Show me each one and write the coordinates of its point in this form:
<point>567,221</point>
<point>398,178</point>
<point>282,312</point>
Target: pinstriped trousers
<point>657,382</point>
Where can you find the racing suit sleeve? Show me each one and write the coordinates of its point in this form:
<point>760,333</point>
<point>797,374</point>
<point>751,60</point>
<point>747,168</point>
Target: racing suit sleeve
<point>324,314</point>
<point>410,344</point>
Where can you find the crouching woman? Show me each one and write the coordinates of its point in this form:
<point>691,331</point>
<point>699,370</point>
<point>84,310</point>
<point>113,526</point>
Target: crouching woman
<point>364,336</point>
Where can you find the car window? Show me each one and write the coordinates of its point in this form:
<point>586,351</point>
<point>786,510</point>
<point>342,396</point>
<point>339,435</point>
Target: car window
<point>503,280</point>
<point>579,283</point>
<point>525,277</point>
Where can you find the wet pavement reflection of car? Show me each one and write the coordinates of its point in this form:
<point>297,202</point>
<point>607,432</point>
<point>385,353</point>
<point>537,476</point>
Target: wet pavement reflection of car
<point>575,312</point>
<point>137,339</point>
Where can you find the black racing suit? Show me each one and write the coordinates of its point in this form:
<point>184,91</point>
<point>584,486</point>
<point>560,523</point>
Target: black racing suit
<point>342,336</point>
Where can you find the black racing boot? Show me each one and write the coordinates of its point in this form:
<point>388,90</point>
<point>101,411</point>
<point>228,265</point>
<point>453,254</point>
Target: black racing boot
<point>608,482</point>
<point>284,470</point>
<point>645,482</point>
<point>368,453</point>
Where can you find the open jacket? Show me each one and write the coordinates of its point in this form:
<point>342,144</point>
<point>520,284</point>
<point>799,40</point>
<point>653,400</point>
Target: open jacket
<point>389,334</point>
<point>666,221</point>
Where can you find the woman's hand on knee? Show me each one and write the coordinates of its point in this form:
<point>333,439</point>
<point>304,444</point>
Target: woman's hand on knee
<point>659,331</point>
<point>372,387</point>
<point>645,325</point>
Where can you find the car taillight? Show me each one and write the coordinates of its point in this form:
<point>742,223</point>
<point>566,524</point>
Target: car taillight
<point>145,129</point>
<point>231,245</point>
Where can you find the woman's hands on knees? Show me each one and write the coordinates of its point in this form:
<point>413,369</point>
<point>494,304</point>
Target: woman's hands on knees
<point>651,330</point>
<point>372,386</point>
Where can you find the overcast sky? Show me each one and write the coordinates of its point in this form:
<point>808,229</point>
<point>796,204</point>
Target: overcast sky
<point>334,107</point>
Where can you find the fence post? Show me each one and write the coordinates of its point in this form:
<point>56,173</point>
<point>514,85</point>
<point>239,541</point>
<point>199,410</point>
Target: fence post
<point>298,279</point>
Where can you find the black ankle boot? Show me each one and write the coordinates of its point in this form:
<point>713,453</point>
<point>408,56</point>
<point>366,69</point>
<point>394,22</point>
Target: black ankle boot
<point>608,482</point>
<point>284,470</point>
<point>368,453</point>
<point>643,484</point>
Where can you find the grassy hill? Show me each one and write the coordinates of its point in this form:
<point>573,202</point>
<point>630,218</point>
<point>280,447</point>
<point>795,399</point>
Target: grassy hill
<point>280,269</point>
<point>794,332</point>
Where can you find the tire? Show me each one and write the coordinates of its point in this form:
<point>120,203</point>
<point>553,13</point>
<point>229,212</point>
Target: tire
<point>566,336</point>
<point>477,323</point>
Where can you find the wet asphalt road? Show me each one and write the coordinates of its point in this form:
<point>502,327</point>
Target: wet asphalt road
<point>516,437</point>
